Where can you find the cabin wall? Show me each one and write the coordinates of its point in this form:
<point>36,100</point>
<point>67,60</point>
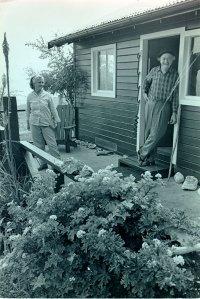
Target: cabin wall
<point>112,119</point>
<point>188,158</point>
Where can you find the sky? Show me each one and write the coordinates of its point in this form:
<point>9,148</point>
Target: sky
<point>26,20</point>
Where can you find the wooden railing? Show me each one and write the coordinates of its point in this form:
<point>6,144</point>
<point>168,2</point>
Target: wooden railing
<point>23,151</point>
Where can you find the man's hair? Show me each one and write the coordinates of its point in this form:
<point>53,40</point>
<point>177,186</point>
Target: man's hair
<point>164,51</point>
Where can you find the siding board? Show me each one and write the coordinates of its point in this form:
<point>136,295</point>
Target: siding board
<point>112,118</point>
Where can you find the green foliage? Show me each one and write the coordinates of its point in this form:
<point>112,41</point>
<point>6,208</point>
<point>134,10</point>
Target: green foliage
<point>102,236</point>
<point>63,75</point>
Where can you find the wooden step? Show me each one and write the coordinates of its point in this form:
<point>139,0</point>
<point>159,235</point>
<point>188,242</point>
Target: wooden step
<point>132,162</point>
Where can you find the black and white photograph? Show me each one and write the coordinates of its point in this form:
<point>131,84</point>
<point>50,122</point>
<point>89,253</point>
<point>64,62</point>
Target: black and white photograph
<point>99,149</point>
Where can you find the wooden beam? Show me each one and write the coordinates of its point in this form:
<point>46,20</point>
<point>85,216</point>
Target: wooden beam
<point>49,159</point>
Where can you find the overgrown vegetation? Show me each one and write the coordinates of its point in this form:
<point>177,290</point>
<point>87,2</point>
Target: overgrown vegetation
<point>102,236</point>
<point>63,76</point>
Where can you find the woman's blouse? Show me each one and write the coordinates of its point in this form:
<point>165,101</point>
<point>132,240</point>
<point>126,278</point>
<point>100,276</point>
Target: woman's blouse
<point>41,110</point>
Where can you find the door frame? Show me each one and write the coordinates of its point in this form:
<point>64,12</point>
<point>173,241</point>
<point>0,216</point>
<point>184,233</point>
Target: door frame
<point>142,71</point>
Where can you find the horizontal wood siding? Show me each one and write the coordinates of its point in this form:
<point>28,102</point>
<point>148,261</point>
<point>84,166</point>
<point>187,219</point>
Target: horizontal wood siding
<point>188,159</point>
<point>112,119</point>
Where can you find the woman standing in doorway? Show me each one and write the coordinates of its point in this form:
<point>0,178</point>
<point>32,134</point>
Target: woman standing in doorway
<point>42,118</point>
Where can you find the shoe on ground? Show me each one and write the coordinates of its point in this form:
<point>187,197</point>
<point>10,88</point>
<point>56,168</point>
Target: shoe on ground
<point>42,167</point>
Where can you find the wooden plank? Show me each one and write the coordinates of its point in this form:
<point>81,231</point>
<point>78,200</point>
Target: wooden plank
<point>188,157</point>
<point>127,58</point>
<point>129,86</point>
<point>190,132</point>
<point>128,51</point>
<point>189,149</point>
<point>190,123</point>
<point>124,145</point>
<point>84,63</point>
<point>124,118</point>
<point>49,159</point>
<point>127,65</point>
<point>191,108</point>
<point>105,133</point>
<point>32,164</point>
<point>125,79</point>
<point>114,123</point>
<point>107,127</point>
<point>186,114</point>
<point>127,73</point>
<point>92,110</point>
<point>81,57</point>
<point>110,102</point>
<point>130,93</point>
<point>188,140</point>
<point>128,44</point>
<point>188,165</point>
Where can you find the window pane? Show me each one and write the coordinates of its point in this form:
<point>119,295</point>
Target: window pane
<point>194,68</point>
<point>102,70</point>
<point>110,69</point>
<point>105,69</point>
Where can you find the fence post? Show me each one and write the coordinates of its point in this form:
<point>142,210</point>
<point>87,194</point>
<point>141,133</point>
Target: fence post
<point>18,156</point>
<point>76,123</point>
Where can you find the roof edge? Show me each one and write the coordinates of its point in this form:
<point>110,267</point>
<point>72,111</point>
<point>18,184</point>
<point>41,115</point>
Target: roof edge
<point>147,16</point>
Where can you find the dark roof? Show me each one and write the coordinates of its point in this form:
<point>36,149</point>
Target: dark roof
<point>146,16</point>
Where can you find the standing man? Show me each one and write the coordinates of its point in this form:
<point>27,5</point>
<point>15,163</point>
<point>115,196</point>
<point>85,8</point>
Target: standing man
<point>161,95</point>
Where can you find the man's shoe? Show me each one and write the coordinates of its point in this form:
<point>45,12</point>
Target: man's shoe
<point>41,167</point>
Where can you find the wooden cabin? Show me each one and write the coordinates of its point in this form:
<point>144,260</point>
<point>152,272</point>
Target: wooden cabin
<point>117,56</point>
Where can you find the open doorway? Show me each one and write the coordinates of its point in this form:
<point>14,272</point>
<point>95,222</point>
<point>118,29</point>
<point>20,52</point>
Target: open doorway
<point>151,48</point>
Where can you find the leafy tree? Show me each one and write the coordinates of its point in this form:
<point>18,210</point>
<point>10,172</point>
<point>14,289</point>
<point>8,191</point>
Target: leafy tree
<point>62,76</point>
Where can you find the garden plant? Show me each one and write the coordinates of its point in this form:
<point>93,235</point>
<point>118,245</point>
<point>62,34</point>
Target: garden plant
<point>100,236</point>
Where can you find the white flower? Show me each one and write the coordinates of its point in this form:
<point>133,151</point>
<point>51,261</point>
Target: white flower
<point>157,242</point>
<point>53,217</point>
<point>101,232</point>
<point>71,279</point>
<point>26,230</point>
<point>24,255</point>
<point>88,268</point>
<point>39,202</point>
<point>169,252</point>
<point>30,221</point>
<point>14,237</point>
<point>179,260</point>
<point>158,176</point>
<point>145,245</point>
<point>80,233</point>
<point>80,210</point>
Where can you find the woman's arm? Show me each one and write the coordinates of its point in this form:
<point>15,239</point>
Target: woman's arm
<point>54,111</point>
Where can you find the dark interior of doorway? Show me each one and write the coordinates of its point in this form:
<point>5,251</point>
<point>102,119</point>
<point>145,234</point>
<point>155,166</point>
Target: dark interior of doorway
<point>154,47</point>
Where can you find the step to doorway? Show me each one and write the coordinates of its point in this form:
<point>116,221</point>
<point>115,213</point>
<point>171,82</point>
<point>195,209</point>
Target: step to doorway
<point>132,162</point>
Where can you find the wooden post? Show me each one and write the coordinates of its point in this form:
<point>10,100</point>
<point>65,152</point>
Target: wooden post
<point>76,123</point>
<point>18,155</point>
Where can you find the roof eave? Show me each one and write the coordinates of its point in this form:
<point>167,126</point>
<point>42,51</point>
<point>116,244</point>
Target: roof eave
<point>125,22</point>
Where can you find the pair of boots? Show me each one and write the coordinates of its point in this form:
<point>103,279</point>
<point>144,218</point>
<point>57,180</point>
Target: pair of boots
<point>147,161</point>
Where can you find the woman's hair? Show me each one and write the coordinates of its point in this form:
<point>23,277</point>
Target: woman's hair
<point>32,80</point>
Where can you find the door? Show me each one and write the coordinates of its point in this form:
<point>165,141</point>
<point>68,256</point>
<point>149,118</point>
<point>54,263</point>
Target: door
<point>150,46</point>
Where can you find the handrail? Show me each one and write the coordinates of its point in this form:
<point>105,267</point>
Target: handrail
<point>49,159</point>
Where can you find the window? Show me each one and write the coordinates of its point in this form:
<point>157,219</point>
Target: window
<point>193,87</point>
<point>103,71</point>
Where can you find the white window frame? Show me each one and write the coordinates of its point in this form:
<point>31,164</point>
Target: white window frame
<point>94,72</point>
<point>184,75</point>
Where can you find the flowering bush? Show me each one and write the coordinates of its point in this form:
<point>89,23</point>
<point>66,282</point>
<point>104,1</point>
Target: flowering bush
<point>102,236</point>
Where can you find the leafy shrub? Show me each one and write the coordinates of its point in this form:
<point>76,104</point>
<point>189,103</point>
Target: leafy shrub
<point>103,236</point>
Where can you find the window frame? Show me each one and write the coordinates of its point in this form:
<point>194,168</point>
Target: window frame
<point>94,72</point>
<point>185,99</point>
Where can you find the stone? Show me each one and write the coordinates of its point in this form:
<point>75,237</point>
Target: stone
<point>190,183</point>
<point>179,178</point>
